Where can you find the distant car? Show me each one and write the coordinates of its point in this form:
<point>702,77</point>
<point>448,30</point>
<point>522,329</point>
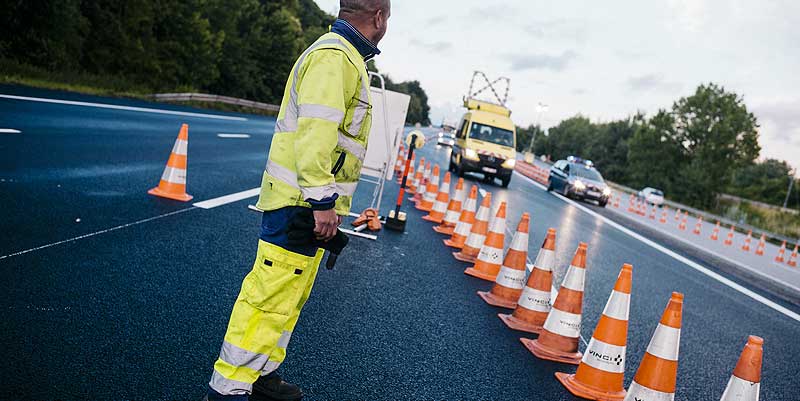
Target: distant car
<point>577,178</point>
<point>446,139</point>
<point>652,196</point>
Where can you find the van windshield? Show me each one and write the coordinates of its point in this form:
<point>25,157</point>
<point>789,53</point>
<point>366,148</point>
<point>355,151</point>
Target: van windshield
<point>487,133</point>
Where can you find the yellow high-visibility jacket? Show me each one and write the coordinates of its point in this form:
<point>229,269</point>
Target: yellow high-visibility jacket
<point>322,130</point>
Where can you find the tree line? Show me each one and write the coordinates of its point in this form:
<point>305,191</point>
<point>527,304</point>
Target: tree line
<point>239,48</point>
<point>704,145</point>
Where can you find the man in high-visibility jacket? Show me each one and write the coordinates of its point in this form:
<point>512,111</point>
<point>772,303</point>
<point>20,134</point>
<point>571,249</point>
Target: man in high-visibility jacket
<point>314,164</point>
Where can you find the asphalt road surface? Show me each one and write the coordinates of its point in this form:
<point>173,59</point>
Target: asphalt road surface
<point>110,293</point>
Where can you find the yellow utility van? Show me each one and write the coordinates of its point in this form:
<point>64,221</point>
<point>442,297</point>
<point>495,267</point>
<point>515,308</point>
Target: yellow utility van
<point>485,142</point>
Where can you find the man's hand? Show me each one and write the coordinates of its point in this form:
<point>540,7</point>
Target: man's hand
<point>325,224</point>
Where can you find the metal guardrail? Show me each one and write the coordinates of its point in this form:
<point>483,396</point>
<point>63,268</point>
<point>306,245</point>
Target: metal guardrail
<point>203,97</point>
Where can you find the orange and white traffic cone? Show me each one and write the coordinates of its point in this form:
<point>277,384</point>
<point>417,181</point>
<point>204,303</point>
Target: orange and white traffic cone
<point>663,219</point>
<point>658,372</point>
<point>653,213</point>
<point>414,177</point>
<point>561,332</point>
<point>698,226</point>
<point>747,241</point>
<point>781,253</point>
<point>745,383</point>
<point>631,208</point>
<point>762,244</point>
<point>678,214</point>
<point>715,233</point>
<point>729,239</point>
<point>453,210</point>
<point>173,180</point>
<point>533,304</point>
<point>616,202</point>
<point>793,257</point>
<point>682,225</point>
<point>422,182</point>
<point>601,372</point>
<point>478,235</point>
<point>511,279</point>
<point>465,221</point>
<point>439,208</point>
<point>399,162</point>
<point>431,190</point>
<point>410,173</point>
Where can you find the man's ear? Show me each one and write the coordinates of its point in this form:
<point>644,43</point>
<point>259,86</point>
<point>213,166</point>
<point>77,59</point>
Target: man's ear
<point>378,19</point>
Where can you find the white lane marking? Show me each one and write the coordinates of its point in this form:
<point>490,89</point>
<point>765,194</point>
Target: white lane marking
<point>126,108</point>
<point>234,136</point>
<point>224,200</point>
<point>9,131</point>
<point>674,255</point>
<point>719,255</point>
<point>80,237</point>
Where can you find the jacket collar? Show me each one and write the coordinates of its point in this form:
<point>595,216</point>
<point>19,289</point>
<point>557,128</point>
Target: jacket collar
<point>364,46</point>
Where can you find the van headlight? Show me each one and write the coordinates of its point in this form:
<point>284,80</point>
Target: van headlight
<point>607,191</point>
<point>579,185</point>
<point>471,154</point>
<point>509,164</point>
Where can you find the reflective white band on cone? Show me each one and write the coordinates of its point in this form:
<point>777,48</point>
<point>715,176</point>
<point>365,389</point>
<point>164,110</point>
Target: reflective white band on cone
<point>511,278</point>
<point>741,390</point>
<point>638,392</point>
<point>520,242</point>
<point>618,305</point>
<point>665,343</point>
<point>563,323</point>
<point>545,260</point>
<point>535,300</point>
<point>462,229</point>
<point>574,279</point>
<point>606,357</point>
<point>475,240</point>
<point>491,255</point>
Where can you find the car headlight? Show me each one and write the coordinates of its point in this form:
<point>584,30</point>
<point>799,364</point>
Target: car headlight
<point>471,154</point>
<point>579,185</point>
<point>510,163</point>
<point>607,191</point>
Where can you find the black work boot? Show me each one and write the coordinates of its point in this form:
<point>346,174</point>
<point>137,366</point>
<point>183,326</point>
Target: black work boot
<point>272,388</point>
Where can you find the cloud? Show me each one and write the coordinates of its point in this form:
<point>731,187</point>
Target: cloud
<point>436,20</point>
<point>652,82</point>
<point>437,47</point>
<point>557,29</point>
<point>493,13</point>
<point>780,119</point>
<point>579,91</point>
<point>558,62</point>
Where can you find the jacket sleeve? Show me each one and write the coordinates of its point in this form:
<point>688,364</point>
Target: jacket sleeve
<point>322,97</point>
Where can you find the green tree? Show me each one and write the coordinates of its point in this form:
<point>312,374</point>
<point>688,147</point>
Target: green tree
<point>654,154</point>
<point>765,181</point>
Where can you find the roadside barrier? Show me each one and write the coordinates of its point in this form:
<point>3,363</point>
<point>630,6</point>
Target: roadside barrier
<point>439,208</point>
<point>465,221</point>
<point>173,181</point>
<point>601,372</point>
<point>560,334</point>
<point>536,173</point>
<point>453,210</point>
<point>657,374</point>
<point>477,233</point>
<point>534,302</point>
<point>793,257</point>
<point>431,189</point>
<point>510,279</point>
<point>729,239</point>
<point>745,383</point>
<point>715,233</point>
<point>698,226</point>
<point>747,241</point>
<point>762,243</point>
<point>490,251</point>
<point>781,253</point>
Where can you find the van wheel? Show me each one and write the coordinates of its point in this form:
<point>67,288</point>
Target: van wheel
<point>549,185</point>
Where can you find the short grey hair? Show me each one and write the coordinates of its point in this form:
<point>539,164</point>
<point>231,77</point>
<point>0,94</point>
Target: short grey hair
<point>359,7</point>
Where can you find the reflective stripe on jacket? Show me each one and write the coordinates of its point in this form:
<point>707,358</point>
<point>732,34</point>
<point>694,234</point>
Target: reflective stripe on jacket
<point>325,112</point>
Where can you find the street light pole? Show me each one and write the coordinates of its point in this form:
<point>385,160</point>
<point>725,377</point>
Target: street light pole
<point>789,192</point>
<point>540,108</point>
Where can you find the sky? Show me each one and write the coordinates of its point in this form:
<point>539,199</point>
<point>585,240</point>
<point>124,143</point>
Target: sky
<point>603,60</point>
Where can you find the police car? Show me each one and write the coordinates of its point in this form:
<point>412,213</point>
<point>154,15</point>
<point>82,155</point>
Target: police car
<point>577,178</point>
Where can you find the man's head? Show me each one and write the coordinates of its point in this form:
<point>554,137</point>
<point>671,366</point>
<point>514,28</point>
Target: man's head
<point>370,17</point>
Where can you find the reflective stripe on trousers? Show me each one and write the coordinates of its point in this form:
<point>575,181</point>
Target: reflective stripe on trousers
<point>263,318</point>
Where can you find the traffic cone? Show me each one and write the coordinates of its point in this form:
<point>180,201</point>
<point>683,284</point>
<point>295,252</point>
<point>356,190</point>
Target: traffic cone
<point>431,190</point>
<point>561,332</point>
<point>511,279</point>
<point>490,254</point>
<point>410,173</point>
<point>747,241</point>
<point>677,214</point>
<point>533,304</point>
<point>663,219</point>
<point>762,243</point>
<point>698,226</point>
<point>616,202</point>
<point>453,210</point>
<point>745,383</point>
<point>465,221</point>
<point>398,164</point>
<point>414,175</point>
<point>419,182</point>
<point>477,234</point>
<point>173,180</point>
<point>682,225</point>
<point>653,213</point>
<point>439,208</point>
<point>657,374</point>
<point>715,234</point>
<point>631,209</point>
<point>601,372</point>
<point>729,239</point>
<point>781,253</point>
<point>793,257</point>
